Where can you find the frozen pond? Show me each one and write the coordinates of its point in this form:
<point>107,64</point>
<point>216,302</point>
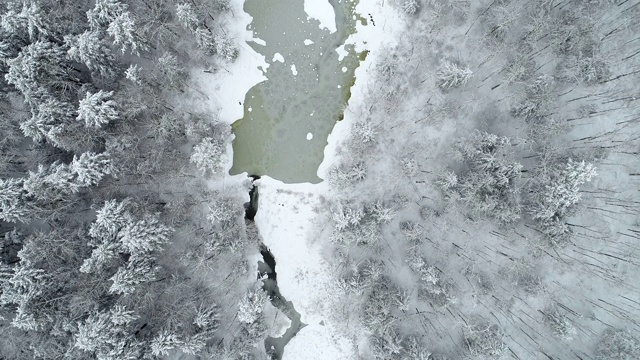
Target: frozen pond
<point>288,117</point>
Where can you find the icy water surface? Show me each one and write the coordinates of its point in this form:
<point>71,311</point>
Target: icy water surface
<point>288,117</point>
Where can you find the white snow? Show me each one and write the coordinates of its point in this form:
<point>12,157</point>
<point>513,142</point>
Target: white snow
<point>308,42</point>
<point>309,136</point>
<point>322,11</point>
<point>259,41</point>
<point>342,52</point>
<point>226,88</point>
<point>294,71</point>
<point>278,57</point>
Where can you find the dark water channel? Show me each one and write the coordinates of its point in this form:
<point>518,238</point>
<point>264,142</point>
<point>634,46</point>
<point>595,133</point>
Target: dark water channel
<point>274,346</point>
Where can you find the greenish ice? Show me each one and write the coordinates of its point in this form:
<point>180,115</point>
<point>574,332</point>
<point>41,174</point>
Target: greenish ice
<point>288,117</point>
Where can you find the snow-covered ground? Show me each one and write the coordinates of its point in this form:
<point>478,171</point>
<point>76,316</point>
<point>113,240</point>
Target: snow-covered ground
<point>231,82</point>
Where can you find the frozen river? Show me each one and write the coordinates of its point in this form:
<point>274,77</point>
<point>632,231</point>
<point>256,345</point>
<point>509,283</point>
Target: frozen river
<point>288,117</point>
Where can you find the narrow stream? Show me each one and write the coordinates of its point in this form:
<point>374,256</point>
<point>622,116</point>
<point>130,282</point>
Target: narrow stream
<point>267,267</point>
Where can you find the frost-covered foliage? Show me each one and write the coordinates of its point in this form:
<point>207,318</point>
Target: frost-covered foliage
<point>360,225</point>
<point>384,298</point>
<point>208,155</point>
<point>451,75</point>
<point>116,231</point>
<point>97,110</point>
<point>619,345</point>
<point>539,95</point>
<point>211,43</point>
<point>25,198</point>
<point>187,16</point>
<point>251,306</point>
<point>124,32</point>
<point>225,217</point>
<point>484,339</point>
<point>108,336</point>
<point>410,7</point>
<point>433,289</point>
<point>225,47</point>
<point>89,49</point>
<point>488,184</point>
<point>560,324</point>
<point>554,190</point>
<point>171,70</point>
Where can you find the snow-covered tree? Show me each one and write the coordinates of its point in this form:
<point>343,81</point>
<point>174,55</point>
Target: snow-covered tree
<point>226,47</point>
<point>13,206</point>
<point>554,191</point>
<point>451,75</point>
<point>134,74</point>
<point>49,119</point>
<point>187,16</point>
<point>31,21</point>
<point>205,40</point>
<point>125,34</point>
<point>89,49</point>
<point>139,269</point>
<point>104,12</point>
<point>37,68</point>
<point>144,236</point>
<point>207,156</point>
<point>410,7</point>
<point>164,342</point>
<point>173,72</point>
<point>252,305</point>
<point>108,335</point>
<point>96,110</point>
<point>618,344</point>
<point>488,185</point>
<point>116,231</point>
<point>90,168</point>
<point>112,217</point>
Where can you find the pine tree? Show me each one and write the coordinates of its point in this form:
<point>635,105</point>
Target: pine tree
<point>96,110</point>
<point>252,305</point>
<point>555,190</point>
<point>134,74</point>
<point>104,12</point>
<point>13,206</point>
<point>30,21</point>
<point>187,16</point>
<point>109,335</point>
<point>207,156</point>
<point>125,34</point>
<point>138,270</point>
<point>205,40</point>
<point>451,75</point>
<point>90,168</point>
<point>88,48</point>
<point>48,121</point>
<point>164,342</point>
<point>171,69</point>
<point>36,70</point>
<point>225,47</point>
<point>144,236</point>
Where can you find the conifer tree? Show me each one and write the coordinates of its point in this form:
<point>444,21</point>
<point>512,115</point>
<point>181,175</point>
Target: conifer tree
<point>89,49</point>
<point>96,110</point>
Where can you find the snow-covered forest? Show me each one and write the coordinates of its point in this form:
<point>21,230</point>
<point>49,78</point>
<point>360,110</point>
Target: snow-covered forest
<point>481,196</point>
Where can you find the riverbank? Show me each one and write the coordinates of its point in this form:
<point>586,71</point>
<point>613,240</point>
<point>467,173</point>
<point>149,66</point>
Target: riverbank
<point>288,212</point>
